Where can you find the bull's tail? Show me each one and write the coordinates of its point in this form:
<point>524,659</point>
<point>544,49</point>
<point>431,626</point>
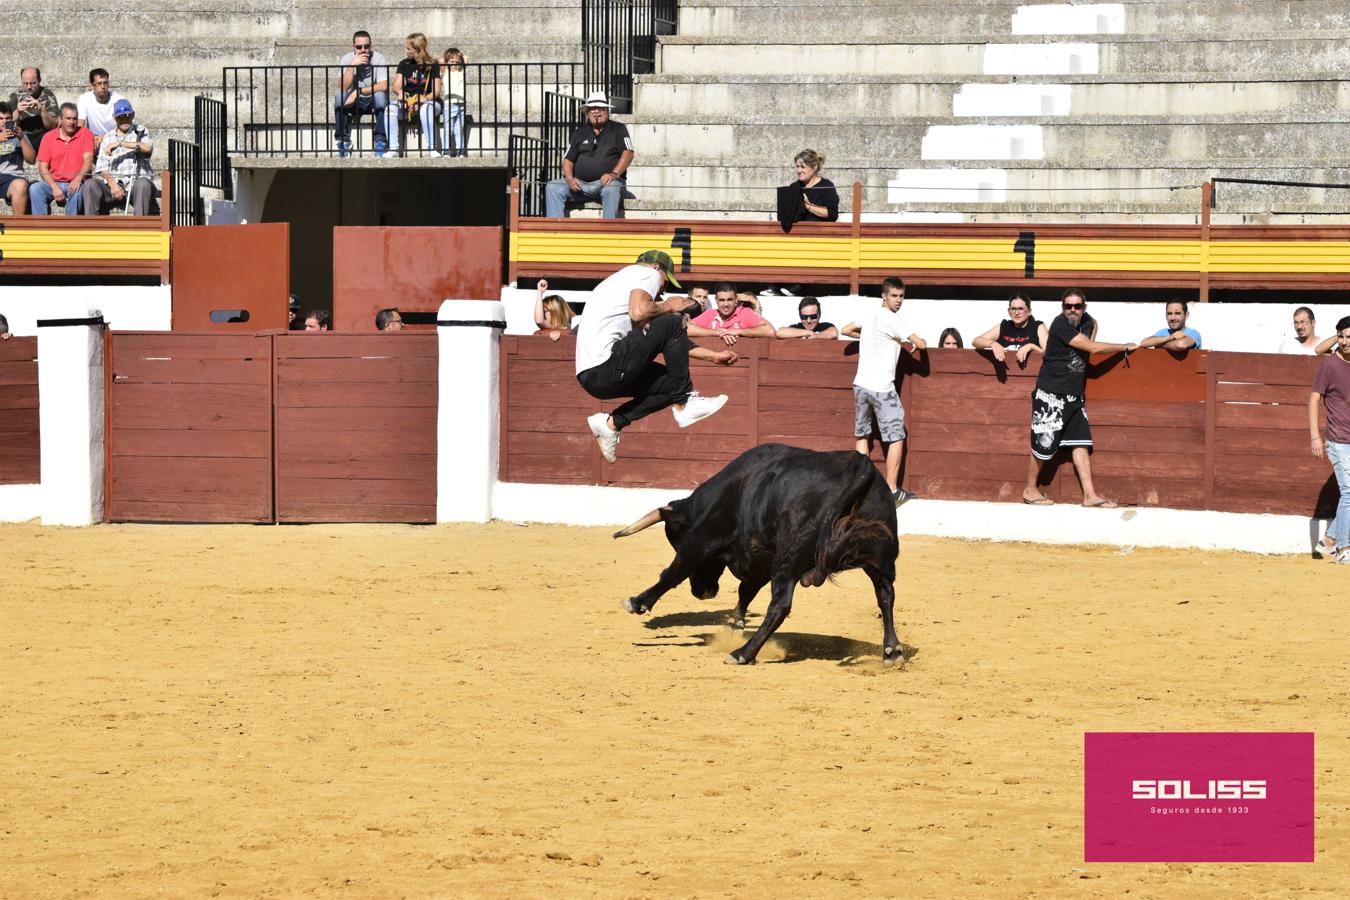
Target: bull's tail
<point>834,551</point>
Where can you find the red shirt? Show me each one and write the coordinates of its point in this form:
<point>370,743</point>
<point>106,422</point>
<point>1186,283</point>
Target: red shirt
<point>743,317</point>
<point>65,158</point>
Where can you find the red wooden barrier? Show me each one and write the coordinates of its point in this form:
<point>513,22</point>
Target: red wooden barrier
<point>1207,430</point>
<point>20,451</point>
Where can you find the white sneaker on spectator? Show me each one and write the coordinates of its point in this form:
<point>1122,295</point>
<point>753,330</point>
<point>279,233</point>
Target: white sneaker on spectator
<point>696,408</point>
<point>434,154</point>
<point>606,437</point>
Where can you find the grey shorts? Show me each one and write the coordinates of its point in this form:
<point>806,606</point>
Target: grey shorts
<point>890,415</point>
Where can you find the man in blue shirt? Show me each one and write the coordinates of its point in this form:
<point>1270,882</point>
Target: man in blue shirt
<point>1176,336</point>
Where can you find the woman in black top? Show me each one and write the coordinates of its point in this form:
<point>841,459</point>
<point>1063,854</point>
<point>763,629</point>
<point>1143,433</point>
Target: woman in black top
<point>417,84</point>
<point>811,198</point>
<point>1020,333</point>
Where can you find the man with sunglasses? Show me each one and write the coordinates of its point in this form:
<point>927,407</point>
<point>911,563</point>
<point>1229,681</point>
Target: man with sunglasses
<point>808,313</point>
<point>363,91</point>
<point>1058,416</point>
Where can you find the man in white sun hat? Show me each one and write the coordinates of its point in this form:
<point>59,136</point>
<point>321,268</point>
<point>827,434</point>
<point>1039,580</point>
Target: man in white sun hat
<point>593,168</point>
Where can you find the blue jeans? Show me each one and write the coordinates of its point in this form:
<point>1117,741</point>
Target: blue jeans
<point>1339,529</point>
<point>454,128</point>
<point>365,104</point>
<point>558,193</point>
<point>426,114</point>
<point>40,198</point>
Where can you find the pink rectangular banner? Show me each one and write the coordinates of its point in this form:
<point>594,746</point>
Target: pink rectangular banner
<point>1198,797</point>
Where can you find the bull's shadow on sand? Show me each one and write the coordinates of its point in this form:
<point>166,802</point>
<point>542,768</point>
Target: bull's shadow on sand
<point>795,645</point>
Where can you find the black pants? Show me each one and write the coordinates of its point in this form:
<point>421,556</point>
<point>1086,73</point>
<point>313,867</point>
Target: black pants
<point>631,371</point>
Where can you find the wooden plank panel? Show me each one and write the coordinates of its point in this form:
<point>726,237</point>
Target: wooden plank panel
<point>392,419</point>
<point>1291,499</point>
<point>198,345</point>
<point>16,422</point>
<point>542,443</point>
<point>203,489</point>
<point>331,345</point>
<point>296,491</point>
<point>1247,392</point>
<point>216,407</point>
<point>185,368</point>
<point>25,469</point>
<point>17,372</point>
<point>1154,413</point>
<point>18,349</point>
<point>1262,415</point>
<point>341,466</point>
<point>178,442</point>
<point>1266,368</point>
<point>300,444</point>
<point>301,512</point>
<point>220,508</point>
<point>529,468</point>
<point>395,371</point>
<point>357,396</point>
<point>1289,442</point>
<point>1290,465</point>
<point>19,396</point>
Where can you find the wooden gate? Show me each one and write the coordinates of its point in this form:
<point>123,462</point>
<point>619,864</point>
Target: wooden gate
<point>356,427</point>
<point>190,427</point>
<point>20,451</point>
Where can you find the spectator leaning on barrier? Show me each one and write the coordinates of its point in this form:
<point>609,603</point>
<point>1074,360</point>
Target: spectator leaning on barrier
<point>15,150</point>
<point>699,295</point>
<point>551,313</point>
<point>4,329</point>
<point>625,327</point>
<point>1331,387</point>
<point>363,90</point>
<point>729,319</point>
<point>874,394</point>
<point>950,339</point>
<point>1305,340</point>
<point>35,106</point>
<point>317,320</point>
<point>389,320</point>
<point>1058,415</point>
<point>96,105</point>
<point>1177,335</point>
<point>122,174</point>
<point>808,325</point>
<point>594,166</point>
<point>65,160</point>
<point>1020,333</point>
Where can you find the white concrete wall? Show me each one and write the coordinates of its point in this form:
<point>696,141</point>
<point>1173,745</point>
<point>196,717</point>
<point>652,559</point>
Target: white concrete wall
<point>468,432</point>
<point>71,396</point>
<point>125,307</point>
<point>1246,327</point>
<point>20,502</point>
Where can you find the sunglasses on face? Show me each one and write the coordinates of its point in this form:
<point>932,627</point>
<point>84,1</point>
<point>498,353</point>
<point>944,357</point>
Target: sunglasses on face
<point>362,46</point>
<point>806,316</point>
<point>1017,309</point>
<point>1074,305</point>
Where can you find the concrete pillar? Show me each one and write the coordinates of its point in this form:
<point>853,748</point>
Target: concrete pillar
<point>70,395</point>
<point>468,415</point>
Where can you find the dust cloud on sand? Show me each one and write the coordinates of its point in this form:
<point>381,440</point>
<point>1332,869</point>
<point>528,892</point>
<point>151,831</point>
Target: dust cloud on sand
<point>467,711</point>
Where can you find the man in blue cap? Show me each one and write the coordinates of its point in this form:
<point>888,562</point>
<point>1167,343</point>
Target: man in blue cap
<point>123,177</point>
<point>624,327</point>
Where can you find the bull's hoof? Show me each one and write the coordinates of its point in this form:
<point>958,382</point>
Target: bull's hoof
<point>737,624</point>
<point>635,607</point>
<point>891,656</point>
<point>734,659</point>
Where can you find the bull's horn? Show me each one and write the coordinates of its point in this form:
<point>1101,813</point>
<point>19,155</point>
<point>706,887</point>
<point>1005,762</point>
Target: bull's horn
<point>646,521</point>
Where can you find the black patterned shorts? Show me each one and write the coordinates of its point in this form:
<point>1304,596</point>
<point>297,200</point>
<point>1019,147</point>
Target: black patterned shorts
<point>1057,420</point>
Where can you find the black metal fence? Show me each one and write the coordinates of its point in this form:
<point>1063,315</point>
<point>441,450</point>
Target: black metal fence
<point>208,133</point>
<point>538,160</point>
<point>185,178</point>
<point>292,110</point>
<point>618,39</point>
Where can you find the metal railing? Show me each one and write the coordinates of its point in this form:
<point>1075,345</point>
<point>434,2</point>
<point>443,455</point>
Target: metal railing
<point>618,40</point>
<point>538,160</point>
<point>185,173</point>
<point>291,110</point>
<point>208,133</point>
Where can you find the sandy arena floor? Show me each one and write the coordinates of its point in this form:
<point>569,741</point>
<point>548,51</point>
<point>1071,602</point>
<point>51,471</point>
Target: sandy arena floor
<point>380,711</point>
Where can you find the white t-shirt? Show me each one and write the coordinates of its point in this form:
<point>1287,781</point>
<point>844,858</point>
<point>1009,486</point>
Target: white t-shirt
<point>879,349</point>
<point>606,320</point>
<point>1291,344</point>
<point>98,117</point>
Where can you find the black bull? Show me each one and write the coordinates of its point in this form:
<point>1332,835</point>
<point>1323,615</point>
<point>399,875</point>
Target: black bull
<point>782,516</point>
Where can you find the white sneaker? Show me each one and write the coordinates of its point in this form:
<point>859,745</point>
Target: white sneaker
<point>606,437</point>
<point>433,154</point>
<point>696,408</point>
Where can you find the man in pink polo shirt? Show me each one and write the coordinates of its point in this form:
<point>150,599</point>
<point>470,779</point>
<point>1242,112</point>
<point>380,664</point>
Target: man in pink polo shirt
<point>729,320</point>
<point>65,160</point>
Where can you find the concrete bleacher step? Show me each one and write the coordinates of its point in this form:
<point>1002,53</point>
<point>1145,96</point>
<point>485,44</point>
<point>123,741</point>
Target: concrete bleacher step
<point>231,21</point>
<point>1299,54</point>
<point>493,26</point>
<point>897,20</point>
<point>1097,140</point>
<point>328,50</point>
<point>941,96</point>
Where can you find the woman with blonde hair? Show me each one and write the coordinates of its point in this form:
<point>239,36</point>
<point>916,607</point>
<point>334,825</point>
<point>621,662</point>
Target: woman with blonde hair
<point>453,62</point>
<point>812,197</point>
<point>417,83</point>
<point>551,313</point>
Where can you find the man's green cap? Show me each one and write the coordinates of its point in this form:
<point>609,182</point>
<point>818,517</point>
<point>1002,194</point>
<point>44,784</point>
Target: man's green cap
<point>662,259</point>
